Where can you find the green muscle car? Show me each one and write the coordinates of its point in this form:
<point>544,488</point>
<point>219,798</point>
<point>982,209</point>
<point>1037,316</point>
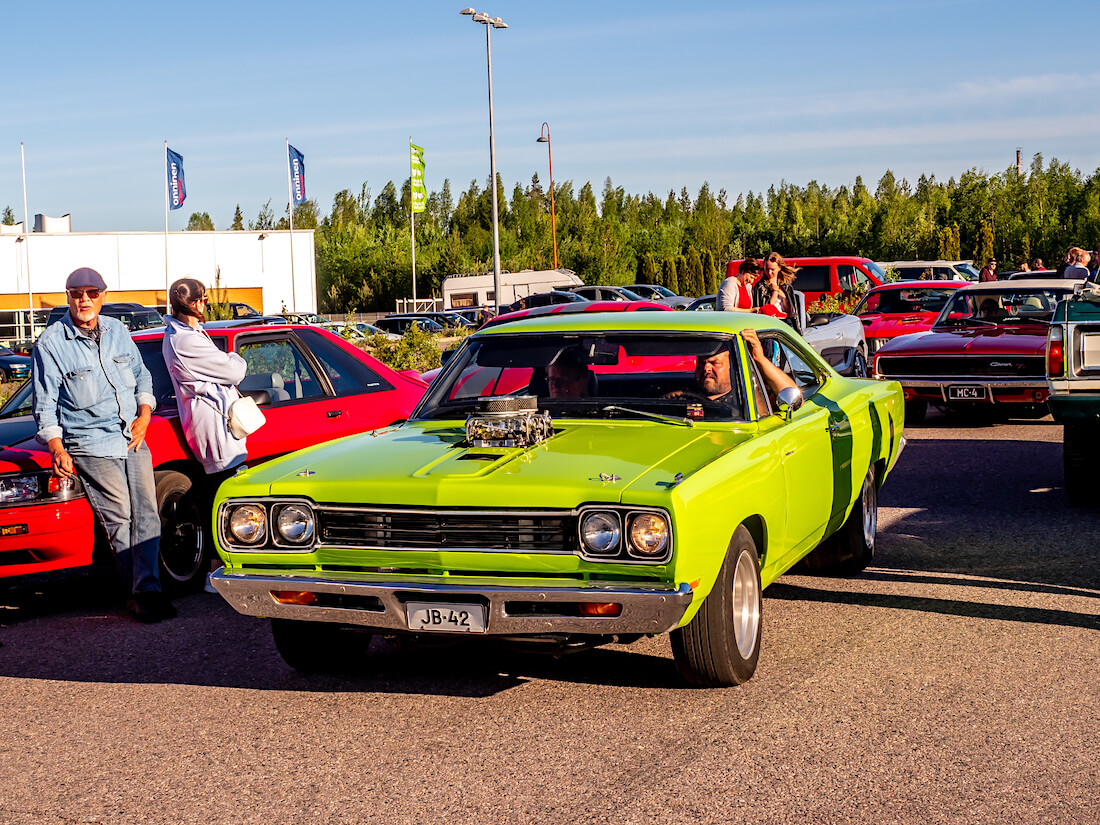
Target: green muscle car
<point>573,480</point>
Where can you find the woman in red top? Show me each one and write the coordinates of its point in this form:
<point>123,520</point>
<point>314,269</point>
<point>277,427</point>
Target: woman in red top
<point>735,294</point>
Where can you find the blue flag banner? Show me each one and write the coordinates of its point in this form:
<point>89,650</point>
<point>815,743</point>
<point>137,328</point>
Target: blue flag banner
<point>177,191</point>
<point>297,163</point>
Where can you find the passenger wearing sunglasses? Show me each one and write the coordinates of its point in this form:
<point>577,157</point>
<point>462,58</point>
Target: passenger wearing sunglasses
<point>93,398</point>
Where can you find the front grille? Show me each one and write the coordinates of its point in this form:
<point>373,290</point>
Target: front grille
<point>962,366</point>
<point>521,532</point>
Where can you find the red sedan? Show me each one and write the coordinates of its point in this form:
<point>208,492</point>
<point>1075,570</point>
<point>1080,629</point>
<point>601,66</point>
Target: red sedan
<point>312,385</point>
<point>985,351</point>
<point>902,308</point>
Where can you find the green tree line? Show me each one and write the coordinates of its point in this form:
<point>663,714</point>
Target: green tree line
<point>364,256</point>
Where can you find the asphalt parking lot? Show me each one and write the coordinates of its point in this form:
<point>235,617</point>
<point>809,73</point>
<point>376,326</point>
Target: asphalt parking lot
<point>955,681</point>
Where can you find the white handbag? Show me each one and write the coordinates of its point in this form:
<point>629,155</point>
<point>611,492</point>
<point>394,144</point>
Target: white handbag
<point>245,417</point>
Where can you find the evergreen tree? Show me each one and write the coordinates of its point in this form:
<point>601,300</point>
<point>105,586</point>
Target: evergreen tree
<point>8,218</point>
<point>238,219</point>
<point>200,222</point>
<point>669,279</point>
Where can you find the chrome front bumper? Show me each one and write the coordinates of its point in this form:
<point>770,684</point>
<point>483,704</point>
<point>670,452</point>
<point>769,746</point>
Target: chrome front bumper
<point>645,609</point>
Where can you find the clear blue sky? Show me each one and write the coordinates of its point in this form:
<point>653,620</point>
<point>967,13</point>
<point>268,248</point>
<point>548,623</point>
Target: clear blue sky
<point>653,95</point>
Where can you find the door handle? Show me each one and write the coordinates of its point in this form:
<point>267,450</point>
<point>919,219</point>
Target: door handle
<point>334,413</point>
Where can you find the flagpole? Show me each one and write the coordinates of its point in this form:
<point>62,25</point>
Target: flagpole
<point>27,245</point>
<point>290,207</point>
<point>167,301</point>
<point>412,225</point>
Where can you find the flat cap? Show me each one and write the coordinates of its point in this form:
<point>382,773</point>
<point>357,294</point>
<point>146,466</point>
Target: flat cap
<point>85,276</point>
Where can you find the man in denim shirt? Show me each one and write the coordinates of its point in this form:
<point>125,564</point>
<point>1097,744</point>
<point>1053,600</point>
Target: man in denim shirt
<point>93,398</point>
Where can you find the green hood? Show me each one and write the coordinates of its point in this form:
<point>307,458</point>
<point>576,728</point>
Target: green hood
<point>425,464</point>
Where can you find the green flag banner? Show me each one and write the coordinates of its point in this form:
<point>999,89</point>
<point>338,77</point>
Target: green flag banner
<point>419,193</point>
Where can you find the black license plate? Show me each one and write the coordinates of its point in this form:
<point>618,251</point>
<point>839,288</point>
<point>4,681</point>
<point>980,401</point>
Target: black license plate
<point>966,392</point>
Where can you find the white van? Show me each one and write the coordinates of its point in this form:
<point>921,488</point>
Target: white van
<point>476,290</point>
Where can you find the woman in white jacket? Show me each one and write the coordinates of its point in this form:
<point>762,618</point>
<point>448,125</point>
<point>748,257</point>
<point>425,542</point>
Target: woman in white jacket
<point>205,380</point>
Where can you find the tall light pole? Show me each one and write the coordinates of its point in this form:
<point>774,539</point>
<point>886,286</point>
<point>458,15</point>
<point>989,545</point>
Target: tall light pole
<point>491,23</point>
<point>544,137</point>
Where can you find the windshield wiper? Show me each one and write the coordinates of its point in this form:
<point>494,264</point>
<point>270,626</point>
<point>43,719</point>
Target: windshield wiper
<point>665,419</point>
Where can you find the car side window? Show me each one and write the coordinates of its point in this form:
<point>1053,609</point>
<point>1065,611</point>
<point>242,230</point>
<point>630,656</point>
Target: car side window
<point>812,278</point>
<point>786,356</point>
<point>153,358</point>
<point>279,367</point>
<point>348,374</point>
<point>763,402</point>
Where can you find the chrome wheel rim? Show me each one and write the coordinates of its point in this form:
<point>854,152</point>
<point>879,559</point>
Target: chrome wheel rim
<point>746,605</point>
<point>870,511</point>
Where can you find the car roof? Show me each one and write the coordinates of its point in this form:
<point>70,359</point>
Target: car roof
<point>702,322</point>
<point>574,308</point>
<point>232,326</point>
<point>923,263</point>
<point>912,284</point>
<point>1024,283</point>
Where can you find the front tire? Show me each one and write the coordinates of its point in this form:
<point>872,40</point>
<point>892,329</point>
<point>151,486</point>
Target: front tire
<point>859,365</point>
<point>319,647</point>
<point>720,646</point>
<point>183,545</point>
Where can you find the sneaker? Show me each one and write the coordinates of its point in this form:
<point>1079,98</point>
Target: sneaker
<point>150,606</point>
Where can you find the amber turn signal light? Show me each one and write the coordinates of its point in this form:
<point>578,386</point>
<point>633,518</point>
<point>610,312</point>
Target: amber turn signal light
<point>601,609</point>
<point>294,596</point>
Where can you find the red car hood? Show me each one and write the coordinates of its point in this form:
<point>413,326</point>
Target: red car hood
<point>1019,340</point>
<point>26,456</point>
<point>889,325</point>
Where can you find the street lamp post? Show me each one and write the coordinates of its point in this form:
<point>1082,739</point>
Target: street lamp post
<point>491,23</point>
<point>544,137</point>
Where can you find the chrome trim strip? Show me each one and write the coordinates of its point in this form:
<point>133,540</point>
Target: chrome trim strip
<point>646,609</point>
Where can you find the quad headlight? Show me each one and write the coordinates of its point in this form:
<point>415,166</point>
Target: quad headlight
<point>294,523</point>
<point>618,533</point>
<point>601,533</point>
<point>648,535</point>
<point>248,523</point>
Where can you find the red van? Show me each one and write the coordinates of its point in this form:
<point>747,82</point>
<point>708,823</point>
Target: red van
<point>837,275</point>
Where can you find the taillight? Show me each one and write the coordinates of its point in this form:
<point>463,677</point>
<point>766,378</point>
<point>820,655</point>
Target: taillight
<point>1056,358</point>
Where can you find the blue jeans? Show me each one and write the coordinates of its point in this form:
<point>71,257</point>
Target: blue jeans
<point>123,496</point>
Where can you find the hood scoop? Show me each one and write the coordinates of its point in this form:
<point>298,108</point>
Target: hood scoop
<point>508,421</point>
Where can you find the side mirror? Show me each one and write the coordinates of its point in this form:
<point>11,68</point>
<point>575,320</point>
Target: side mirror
<point>788,401</point>
<point>446,356</point>
<point>818,320</point>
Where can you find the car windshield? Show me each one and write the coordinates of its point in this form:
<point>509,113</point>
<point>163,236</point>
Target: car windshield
<point>583,374</point>
<point>876,270</point>
<point>984,308</point>
<point>970,272</point>
<point>919,299</point>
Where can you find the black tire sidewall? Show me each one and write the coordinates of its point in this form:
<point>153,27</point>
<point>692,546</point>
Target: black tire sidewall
<point>172,483</point>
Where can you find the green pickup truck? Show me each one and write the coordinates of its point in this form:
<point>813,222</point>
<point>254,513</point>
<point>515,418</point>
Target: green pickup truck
<point>1073,374</point>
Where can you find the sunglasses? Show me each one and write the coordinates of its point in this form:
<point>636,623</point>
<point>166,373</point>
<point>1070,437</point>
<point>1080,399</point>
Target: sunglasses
<point>77,294</point>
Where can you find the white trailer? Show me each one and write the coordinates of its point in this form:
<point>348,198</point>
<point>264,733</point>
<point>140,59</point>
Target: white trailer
<point>476,290</point>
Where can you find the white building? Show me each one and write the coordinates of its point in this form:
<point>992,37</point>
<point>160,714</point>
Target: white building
<point>254,266</point>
